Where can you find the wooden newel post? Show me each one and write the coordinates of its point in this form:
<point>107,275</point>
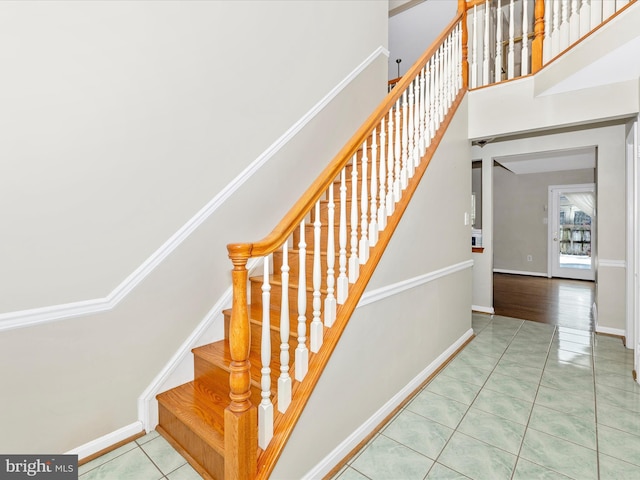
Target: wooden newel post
<point>538,39</point>
<point>240,417</point>
<point>462,8</point>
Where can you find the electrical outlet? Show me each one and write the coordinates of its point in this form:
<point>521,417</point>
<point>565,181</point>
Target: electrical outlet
<point>529,258</point>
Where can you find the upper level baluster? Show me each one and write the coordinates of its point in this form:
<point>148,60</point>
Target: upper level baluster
<point>498,65</point>
<point>524,59</point>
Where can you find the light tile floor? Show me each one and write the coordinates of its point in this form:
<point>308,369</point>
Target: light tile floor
<point>148,458</point>
<point>522,401</point>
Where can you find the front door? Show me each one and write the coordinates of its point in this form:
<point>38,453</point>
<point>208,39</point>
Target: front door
<point>572,238</point>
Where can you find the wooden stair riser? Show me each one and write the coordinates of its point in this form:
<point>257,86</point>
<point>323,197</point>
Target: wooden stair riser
<point>192,416</point>
<point>309,237</point>
<point>294,262</point>
<point>276,296</point>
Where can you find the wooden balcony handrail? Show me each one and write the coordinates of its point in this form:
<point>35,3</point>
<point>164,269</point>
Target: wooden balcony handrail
<point>292,219</point>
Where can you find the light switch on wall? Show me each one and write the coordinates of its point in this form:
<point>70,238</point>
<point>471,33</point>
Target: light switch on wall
<point>466,218</point>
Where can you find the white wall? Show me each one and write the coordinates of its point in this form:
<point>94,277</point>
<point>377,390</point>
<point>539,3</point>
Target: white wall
<point>120,121</point>
<point>520,216</point>
<point>412,31</point>
<point>389,342</point>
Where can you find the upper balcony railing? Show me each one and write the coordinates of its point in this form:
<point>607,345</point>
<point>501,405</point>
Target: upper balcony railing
<point>514,38</point>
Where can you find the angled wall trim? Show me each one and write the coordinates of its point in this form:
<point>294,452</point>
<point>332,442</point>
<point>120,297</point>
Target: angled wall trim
<point>394,289</point>
<point>25,318</point>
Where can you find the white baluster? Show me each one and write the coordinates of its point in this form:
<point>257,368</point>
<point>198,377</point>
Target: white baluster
<point>548,26</point>
<point>596,13</point>
<point>498,65</point>
<point>411,162</point>
<point>424,108</point>
<point>511,59</point>
<point>397,154</point>
<point>316,324</point>
<point>417,89</point>
<point>564,25</point>
<point>354,264</point>
<point>284,381</point>
<point>459,59</point>
<point>555,31</point>
<point>343,280</point>
<point>485,56</point>
<point>382,208</point>
<point>524,59</point>
<point>404,174</point>
<point>390,203</point>
<point>373,224</point>
<point>449,76</point>
<point>445,77</point>
<point>265,409</point>
<point>302,353</point>
<point>474,48</point>
<point>574,23</point>
<point>440,88</point>
<point>585,18</point>
<point>608,9</point>
<point>364,207</point>
<point>330,300</point>
<point>433,99</point>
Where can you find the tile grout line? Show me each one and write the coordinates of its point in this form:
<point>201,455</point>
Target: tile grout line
<point>474,399</point>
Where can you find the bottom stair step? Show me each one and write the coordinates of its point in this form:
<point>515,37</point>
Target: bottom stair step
<point>193,416</point>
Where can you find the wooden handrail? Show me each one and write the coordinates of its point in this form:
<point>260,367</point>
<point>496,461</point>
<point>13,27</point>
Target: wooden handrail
<point>293,218</point>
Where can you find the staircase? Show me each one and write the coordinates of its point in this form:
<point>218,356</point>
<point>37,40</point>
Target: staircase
<point>316,264</point>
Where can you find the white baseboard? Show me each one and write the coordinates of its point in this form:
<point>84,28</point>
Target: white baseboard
<point>342,450</point>
<point>519,272</point>
<point>478,308</point>
<point>610,331</point>
<point>106,441</point>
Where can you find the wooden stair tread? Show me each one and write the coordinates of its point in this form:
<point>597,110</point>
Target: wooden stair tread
<point>219,353</point>
<point>255,316</point>
<point>200,409</point>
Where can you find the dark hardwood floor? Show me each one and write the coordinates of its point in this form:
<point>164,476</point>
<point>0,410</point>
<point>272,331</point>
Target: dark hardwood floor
<point>557,301</point>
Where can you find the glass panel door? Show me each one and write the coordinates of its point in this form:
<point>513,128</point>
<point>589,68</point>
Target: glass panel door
<point>572,231</point>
